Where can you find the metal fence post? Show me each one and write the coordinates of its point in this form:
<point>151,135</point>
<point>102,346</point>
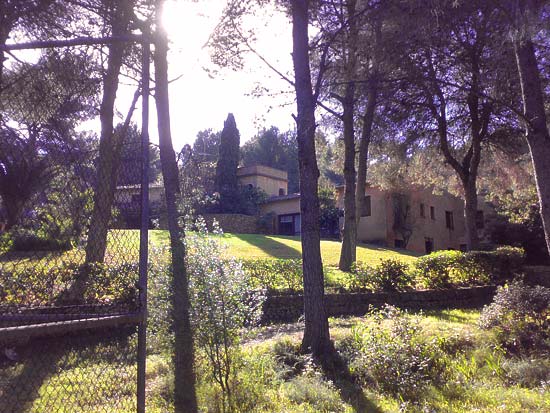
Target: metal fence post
<point>144,228</point>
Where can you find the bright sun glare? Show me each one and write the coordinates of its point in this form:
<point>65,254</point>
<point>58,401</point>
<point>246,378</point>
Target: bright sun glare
<point>204,102</point>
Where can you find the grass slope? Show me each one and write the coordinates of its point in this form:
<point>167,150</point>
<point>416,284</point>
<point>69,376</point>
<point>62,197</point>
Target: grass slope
<point>271,246</point>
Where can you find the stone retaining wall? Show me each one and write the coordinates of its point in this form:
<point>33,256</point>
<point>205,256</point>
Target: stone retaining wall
<point>287,308</point>
<point>234,223</point>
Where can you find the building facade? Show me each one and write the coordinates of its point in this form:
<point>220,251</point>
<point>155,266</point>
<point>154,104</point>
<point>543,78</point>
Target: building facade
<point>416,219</point>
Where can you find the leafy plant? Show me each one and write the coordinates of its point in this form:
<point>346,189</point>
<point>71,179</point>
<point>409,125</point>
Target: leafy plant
<point>520,314</point>
<point>223,302</point>
<point>274,274</point>
<point>393,355</point>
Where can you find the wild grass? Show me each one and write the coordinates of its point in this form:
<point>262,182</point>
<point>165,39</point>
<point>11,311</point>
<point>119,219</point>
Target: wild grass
<point>273,376</point>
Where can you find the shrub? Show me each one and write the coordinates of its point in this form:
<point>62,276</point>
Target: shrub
<point>499,265</point>
<point>388,275</point>
<point>274,274</point>
<point>520,315</point>
<point>393,355</point>
<point>391,275</point>
<point>527,372</point>
<point>359,277</point>
<point>222,304</point>
<point>433,270</point>
<point>39,285</point>
<point>444,269</point>
<point>30,240</point>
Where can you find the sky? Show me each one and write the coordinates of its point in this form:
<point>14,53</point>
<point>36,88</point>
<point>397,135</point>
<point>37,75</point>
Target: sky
<point>199,101</point>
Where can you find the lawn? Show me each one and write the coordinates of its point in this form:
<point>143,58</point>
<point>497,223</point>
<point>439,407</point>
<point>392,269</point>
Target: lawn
<point>277,246</point>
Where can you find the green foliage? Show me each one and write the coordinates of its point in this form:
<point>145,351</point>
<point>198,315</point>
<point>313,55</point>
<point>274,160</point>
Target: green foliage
<point>388,275</point>
<point>206,146</point>
<point>391,353</point>
<point>434,270</point>
<point>443,269</point>
<point>274,274</point>
<point>222,303</point>
<point>39,285</point>
<point>266,222</point>
<point>520,314</point>
<point>329,214</point>
<point>275,149</point>
<point>500,265</point>
<point>226,168</point>
<point>250,199</point>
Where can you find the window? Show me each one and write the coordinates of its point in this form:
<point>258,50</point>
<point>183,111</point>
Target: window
<point>480,221</point>
<point>366,211</point>
<point>281,191</point>
<point>432,212</point>
<point>422,210</point>
<point>429,245</point>
<point>289,224</point>
<point>399,243</point>
<point>250,186</point>
<point>449,221</point>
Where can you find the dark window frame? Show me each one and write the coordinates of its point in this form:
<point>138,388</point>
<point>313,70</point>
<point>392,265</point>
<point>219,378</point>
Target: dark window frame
<point>449,220</point>
<point>366,211</point>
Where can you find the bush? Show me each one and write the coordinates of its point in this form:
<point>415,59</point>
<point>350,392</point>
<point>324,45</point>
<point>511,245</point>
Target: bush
<point>434,270</point>
<point>274,274</point>
<point>520,314</point>
<point>391,275</point>
<point>391,354</point>
<point>222,303</point>
<point>360,277</point>
<point>499,265</point>
<point>29,240</point>
<point>444,269</point>
<point>388,275</point>
<point>40,285</point>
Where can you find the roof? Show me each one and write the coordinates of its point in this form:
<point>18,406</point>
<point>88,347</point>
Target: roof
<point>281,198</point>
<point>262,170</point>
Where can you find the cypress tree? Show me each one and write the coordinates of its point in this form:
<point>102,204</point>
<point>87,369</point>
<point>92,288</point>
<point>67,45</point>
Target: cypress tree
<point>226,168</point>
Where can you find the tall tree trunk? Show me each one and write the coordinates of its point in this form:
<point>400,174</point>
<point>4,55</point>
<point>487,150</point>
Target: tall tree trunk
<point>349,237</point>
<point>316,333</point>
<point>537,134</point>
<point>470,212</point>
<point>364,143</point>
<point>368,121</point>
<point>110,144</point>
<point>185,400</point>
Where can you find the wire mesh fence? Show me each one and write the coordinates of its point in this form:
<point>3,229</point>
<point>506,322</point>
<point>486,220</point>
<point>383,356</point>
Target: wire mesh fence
<point>70,217</point>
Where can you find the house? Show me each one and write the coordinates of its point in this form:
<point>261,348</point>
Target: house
<point>284,207</point>
<point>416,219</point>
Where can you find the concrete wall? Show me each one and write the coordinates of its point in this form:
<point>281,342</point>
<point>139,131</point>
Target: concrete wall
<point>271,180</point>
<point>436,229</point>
<point>378,227</point>
<point>281,206</point>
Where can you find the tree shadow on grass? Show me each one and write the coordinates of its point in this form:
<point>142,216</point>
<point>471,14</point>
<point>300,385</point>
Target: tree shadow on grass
<point>68,373</point>
<point>21,380</point>
<point>269,245</point>
<point>336,370</point>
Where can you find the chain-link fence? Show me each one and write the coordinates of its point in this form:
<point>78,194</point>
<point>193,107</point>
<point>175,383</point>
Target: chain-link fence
<point>70,218</point>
